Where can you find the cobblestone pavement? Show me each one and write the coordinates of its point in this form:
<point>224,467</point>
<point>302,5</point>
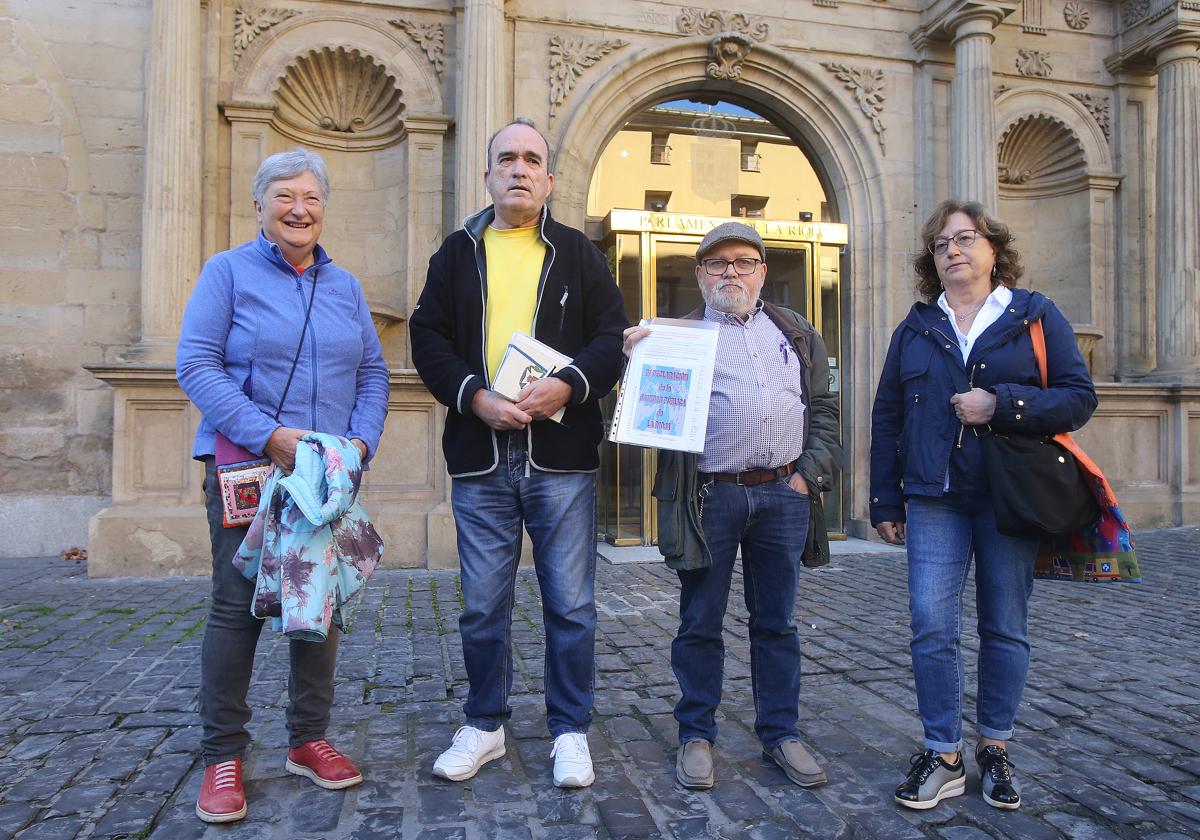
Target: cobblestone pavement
<point>98,729</point>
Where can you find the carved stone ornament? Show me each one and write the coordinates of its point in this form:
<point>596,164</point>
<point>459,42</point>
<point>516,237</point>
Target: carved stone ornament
<point>700,22</point>
<point>339,99</point>
<point>867,86</point>
<point>569,57</point>
<point>725,56</point>
<point>1033,63</point>
<point>1100,108</point>
<point>1039,150</point>
<point>1076,15</point>
<point>249,23</point>
<point>1134,10</point>
<point>430,37</point>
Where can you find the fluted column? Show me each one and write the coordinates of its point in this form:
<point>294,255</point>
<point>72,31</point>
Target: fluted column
<point>1177,207</point>
<point>480,99</point>
<point>973,118</point>
<point>171,199</point>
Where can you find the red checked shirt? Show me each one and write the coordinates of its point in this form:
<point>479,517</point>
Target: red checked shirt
<point>756,414</point>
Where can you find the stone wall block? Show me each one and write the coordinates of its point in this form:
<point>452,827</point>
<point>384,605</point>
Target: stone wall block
<point>25,104</point>
<point>30,248</point>
<point>111,324</point>
<point>104,133</point>
<point>81,249</point>
<point>32,287</point>
<point>117,172</point>
<point>36,172</point>
<point>25,139</point>
<point>120,250</point>
<point>101,286</point>
<point>31,442</point>
<point>101,64</point>
<point>41,325</point>
<point>36,209</point>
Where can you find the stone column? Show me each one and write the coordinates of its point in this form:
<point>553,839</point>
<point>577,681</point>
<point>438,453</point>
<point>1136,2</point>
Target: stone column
<point>1177,207</point>
<point>171,200</point>
<point>481,96</point>
<point>973,116</point>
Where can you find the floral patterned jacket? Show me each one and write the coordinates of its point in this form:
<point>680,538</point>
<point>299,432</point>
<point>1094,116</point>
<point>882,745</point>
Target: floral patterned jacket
<point>311,546</point>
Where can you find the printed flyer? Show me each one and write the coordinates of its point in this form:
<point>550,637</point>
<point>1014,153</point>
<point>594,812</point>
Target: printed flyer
<point>664,395</point>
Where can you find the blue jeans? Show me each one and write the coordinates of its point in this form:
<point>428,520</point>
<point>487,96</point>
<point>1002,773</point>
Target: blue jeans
<point>559,511</point>
<point>943,534</point>
<point>770,523</point>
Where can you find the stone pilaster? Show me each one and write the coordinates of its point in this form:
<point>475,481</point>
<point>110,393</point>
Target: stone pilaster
<point>171,199</point>
<point>973,115</point>
<point>1177,208</point>
<point>481,96</point>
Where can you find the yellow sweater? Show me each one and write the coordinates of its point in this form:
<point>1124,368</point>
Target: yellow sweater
<point>514,265</point>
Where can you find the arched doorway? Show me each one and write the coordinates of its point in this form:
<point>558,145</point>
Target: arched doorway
<point>671,173</point>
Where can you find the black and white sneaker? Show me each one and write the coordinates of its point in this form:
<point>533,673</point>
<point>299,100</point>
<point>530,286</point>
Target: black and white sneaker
<point>930,780</point>
<point>1000,788</point>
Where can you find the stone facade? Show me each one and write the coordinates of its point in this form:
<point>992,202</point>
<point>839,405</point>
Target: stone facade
<point>130,129</point>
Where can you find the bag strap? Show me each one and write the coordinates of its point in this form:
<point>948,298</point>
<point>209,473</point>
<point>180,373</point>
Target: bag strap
<point>1039,349</point>
<point>296,359</point>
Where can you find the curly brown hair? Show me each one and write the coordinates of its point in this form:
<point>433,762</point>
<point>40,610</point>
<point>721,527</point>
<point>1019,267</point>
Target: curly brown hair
<point>1009,268</point>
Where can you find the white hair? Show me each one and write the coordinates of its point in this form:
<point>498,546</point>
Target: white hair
<point>286,165</point>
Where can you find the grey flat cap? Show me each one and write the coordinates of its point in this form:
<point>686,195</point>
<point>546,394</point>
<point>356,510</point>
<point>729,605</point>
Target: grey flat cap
<point>731,231</point>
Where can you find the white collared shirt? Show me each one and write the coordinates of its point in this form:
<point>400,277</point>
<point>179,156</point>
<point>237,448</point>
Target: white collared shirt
<point>993,307</point>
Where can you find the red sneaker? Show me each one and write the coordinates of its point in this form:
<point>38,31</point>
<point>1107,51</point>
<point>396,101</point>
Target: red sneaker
<point>222,798</point>
<point>320,762</point>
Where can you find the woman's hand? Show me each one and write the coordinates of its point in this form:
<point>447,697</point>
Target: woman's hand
<point>891,532</point>
<point>361,446</point>
<point>632,336</point>
<point>281,447</point>
<point>974,408</point>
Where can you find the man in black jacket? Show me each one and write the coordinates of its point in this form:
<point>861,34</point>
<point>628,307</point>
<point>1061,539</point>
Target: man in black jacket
<point>513,268</point>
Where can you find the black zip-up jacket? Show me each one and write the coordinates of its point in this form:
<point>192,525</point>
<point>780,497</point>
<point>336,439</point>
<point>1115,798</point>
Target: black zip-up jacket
<point>579,312</point>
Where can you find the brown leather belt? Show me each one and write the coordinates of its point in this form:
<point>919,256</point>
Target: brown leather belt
<point>751,478</point>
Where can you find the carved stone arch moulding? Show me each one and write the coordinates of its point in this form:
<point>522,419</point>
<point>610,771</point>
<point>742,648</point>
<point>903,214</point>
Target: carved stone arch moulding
<point>1040,151</point>
<point>338,98</point>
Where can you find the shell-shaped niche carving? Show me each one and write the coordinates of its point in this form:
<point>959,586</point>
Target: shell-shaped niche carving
<point>339,99</point>
<point>1040,151</point>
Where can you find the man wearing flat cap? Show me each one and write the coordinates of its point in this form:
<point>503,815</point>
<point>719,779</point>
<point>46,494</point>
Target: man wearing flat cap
<point>770,449</point>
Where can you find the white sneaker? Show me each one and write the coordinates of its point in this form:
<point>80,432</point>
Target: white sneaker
<point>572,761</point>
<point>471,749</point>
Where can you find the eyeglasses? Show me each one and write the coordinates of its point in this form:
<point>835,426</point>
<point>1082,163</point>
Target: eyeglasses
<point>963,239</point>
<point>742,265</point>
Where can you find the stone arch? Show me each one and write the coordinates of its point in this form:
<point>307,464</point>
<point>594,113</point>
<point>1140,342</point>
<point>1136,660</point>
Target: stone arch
<point>269,56</point>
<point>811,106</point>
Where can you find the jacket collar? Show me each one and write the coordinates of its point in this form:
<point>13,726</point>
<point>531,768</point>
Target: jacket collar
<point>1025,306</point>
<point>273,253</point>
<point>477,223</point>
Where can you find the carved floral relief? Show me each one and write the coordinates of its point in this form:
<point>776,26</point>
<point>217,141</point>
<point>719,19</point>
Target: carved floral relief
<point>569,57</point>
<point>1076,15</point>
<point>1033,63</point>
<point>867,86</point>
<point>249,23</point>
<point>1099,106</point>
<point>430,37</point>
<point>700,22</point>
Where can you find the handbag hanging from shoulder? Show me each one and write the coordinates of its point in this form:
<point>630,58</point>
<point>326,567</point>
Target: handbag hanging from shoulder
<point>1036,485</point>
<point>241,474</point>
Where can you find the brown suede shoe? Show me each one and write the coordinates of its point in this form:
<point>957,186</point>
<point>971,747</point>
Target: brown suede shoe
<point>694,765</point>
<point>797,763</point>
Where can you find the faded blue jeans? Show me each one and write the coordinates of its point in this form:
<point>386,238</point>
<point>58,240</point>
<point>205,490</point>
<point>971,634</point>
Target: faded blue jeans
<point>559,512</point>
<point>770,523</point>
<point>943,535</point>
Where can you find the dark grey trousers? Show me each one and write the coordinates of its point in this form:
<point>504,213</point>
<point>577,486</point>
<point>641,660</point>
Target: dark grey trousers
<point>227,655</point>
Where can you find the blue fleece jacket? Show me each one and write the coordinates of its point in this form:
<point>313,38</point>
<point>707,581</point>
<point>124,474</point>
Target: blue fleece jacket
<point>239,336</point>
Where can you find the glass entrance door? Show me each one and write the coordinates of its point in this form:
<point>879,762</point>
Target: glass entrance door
<point>653,259</point>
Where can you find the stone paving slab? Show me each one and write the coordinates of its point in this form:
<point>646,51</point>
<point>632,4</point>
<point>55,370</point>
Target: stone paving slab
<point>98,727</point>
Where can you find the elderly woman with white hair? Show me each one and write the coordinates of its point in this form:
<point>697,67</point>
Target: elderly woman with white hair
<point>277,341</point>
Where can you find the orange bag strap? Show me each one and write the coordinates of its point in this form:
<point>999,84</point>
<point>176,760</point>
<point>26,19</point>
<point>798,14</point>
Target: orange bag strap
<point>1039,349</point>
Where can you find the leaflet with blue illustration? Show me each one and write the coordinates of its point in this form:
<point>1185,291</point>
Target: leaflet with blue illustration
<point>663,401</point>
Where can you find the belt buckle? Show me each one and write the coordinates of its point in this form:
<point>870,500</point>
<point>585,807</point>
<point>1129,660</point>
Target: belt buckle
<point>737,478</point>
